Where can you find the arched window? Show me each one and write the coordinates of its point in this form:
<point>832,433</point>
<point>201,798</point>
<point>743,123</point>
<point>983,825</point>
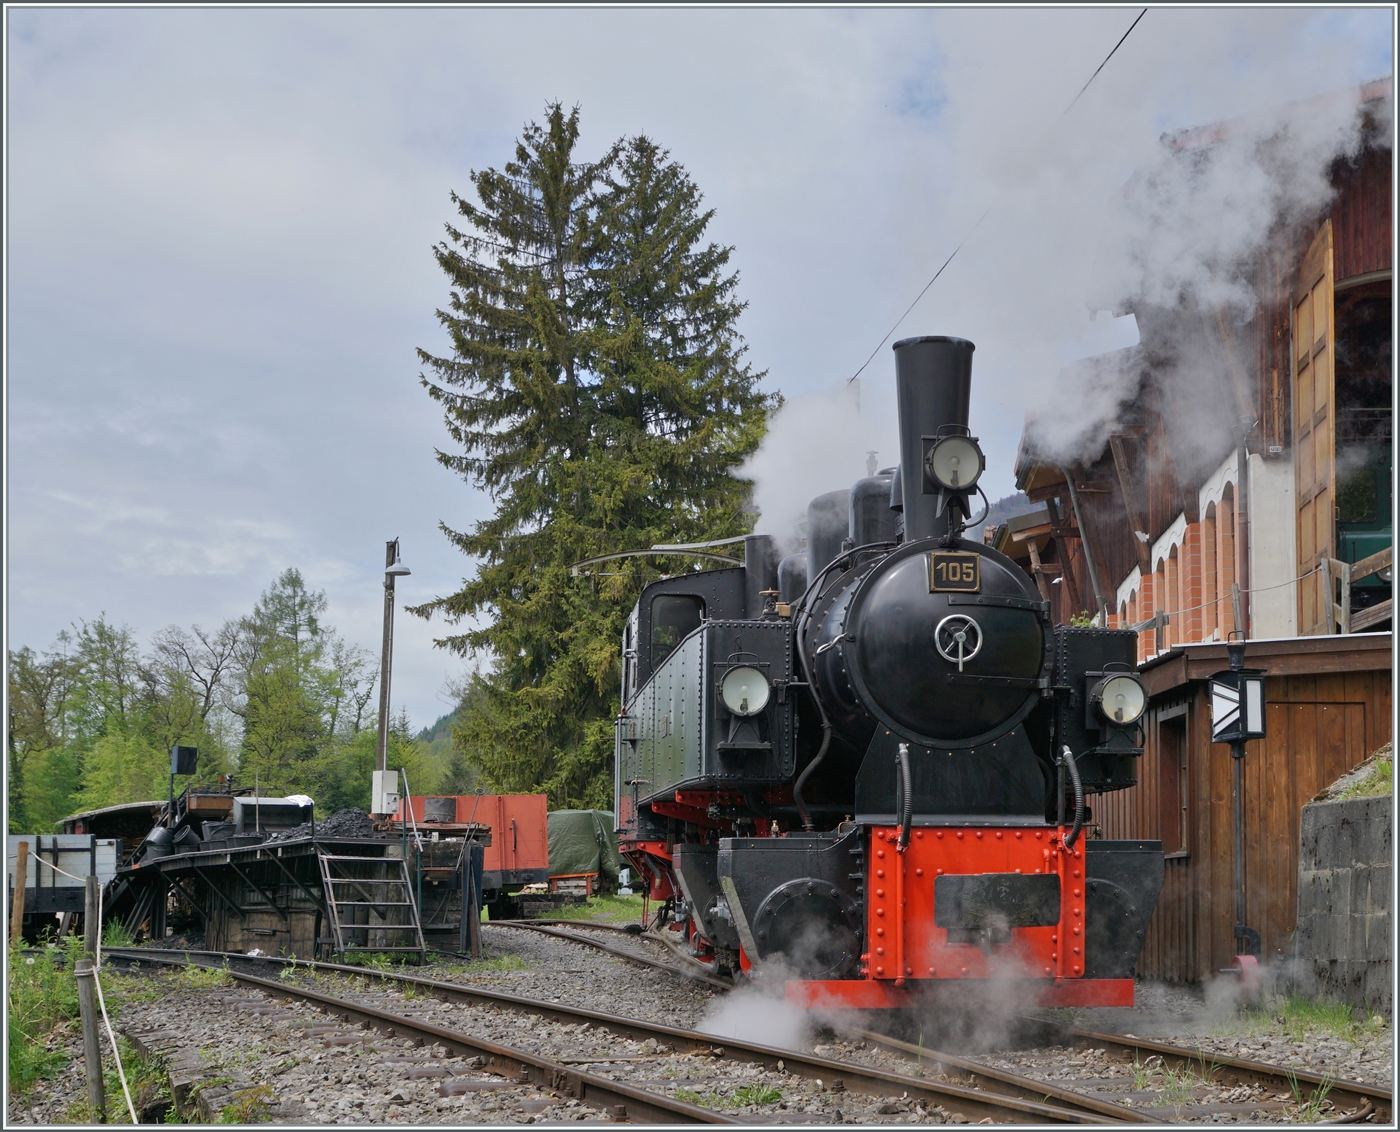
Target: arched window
<point>1225,558</point>
<point>1172,600</point>
<point>1210,619</point>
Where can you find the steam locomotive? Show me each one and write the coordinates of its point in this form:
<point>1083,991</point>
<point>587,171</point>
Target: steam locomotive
<point>866,769</point>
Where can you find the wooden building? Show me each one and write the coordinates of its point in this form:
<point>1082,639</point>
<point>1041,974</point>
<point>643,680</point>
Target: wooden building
<point>1264,503</point>
<point>1243,489</point>
<point>1329,707</point>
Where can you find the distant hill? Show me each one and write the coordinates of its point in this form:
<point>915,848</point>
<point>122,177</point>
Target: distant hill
<point>454,775</point>
<point>1008,507</point>
<point>441,729</point>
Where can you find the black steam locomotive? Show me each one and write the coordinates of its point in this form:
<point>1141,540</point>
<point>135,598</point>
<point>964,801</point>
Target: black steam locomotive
<point>867,767</point>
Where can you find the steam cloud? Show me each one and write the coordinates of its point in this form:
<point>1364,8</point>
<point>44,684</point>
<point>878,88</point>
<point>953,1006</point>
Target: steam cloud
<point>1091,212</point>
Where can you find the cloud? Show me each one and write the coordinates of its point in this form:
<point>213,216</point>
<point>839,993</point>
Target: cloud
<point>219,223</point>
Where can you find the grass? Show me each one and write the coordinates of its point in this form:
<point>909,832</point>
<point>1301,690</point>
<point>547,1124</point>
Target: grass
<point>116,935</point>
<point>1300,1017</point>
<point>250,1106</point>
<point>608,909</point>
<point>1310,1107</point>
<point>195,977</point>
<point>1179,1086</point>
<point>42,999</point>
<point>147,1079</point>
<point>756,1094</point>
<point>1379,781</point>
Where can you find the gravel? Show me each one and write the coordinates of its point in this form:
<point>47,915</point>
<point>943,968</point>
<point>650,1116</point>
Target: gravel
<point>320,1071</point>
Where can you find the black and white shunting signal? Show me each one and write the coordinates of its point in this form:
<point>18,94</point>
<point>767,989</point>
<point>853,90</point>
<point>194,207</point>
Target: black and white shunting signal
<point>1236,707</point>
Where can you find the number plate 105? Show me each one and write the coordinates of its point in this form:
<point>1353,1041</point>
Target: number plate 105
<point>949,571</point>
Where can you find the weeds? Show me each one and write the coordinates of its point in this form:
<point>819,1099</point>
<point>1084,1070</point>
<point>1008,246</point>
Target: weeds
<point>196,977</point>
<point>116,935</point>
<point>606,908</point>
<point>1142,1074</point>
<point>1309,1109</point>
<point>1179,1087</point>
<point>1377,782</point>
<point>690,1096</point>
<point>1300,1017</point>
<point>43,995</point>
<point>251,1106</point>
<point>756,1094</point>
<point>145,1077</point>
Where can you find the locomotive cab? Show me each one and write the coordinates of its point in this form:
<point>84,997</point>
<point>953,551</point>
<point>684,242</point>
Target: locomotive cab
<point>877,780</point>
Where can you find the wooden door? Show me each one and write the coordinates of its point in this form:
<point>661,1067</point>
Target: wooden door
<point>1314,349</point>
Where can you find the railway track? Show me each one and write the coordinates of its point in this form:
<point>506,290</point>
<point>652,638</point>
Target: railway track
<point>693,968</point>
<point>1364,1101</point>
<point>594,1088</point>
<point>1355,1095</point>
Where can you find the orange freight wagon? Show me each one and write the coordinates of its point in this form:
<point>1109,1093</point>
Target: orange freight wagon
<point>518,852</point>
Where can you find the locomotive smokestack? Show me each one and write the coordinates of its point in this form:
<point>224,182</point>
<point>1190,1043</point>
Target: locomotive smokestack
<point>933,379</point>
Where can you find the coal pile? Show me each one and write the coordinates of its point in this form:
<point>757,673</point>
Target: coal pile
<point>352,822</point>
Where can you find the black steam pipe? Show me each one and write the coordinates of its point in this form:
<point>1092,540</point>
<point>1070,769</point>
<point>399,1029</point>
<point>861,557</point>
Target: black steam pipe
<point>1073,768</point>
<point>906,801</point>
<point>933,383</point>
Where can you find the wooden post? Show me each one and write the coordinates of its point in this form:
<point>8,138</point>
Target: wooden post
<point>17,904</point>
<point>92,917</point>
<point>92,1051</point>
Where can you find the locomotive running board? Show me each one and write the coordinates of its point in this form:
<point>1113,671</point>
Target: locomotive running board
<point>882,994</point>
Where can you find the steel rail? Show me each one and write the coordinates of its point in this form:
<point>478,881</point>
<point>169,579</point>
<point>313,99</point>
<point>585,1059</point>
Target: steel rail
<point>621,952</point>
<point>974,1103</point>
<point>1224,1069</point>
<point>504,1061</point>
<point>1012,1083</point>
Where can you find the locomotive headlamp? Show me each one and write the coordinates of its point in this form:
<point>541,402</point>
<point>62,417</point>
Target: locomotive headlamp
<point>1120,699</point>
<point>744,690</point>
<point>956,462</point>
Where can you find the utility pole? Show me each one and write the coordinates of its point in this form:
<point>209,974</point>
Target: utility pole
<point>393,568</point>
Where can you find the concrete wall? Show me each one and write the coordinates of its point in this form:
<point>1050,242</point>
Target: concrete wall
<point>1344,900</point>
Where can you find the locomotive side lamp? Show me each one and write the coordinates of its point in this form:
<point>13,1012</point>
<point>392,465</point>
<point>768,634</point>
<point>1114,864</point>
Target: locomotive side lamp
<point>1119,699</point>
<point>744,691</point>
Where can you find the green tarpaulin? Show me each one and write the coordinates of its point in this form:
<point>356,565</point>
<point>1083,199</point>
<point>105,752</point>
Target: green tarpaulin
<point>582,841</point>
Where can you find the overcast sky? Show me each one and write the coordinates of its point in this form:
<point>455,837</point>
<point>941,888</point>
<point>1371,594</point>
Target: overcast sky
<point>220,222</point>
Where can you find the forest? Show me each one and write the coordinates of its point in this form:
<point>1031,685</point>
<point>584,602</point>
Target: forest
<point>276,698</point>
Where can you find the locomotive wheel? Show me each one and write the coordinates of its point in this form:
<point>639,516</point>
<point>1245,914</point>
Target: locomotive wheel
<point>812,925</point>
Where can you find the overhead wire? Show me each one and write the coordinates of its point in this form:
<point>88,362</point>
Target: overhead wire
<point>984,215</point>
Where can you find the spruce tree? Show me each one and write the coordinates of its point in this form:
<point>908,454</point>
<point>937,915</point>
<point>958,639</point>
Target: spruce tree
<point>598,390</point>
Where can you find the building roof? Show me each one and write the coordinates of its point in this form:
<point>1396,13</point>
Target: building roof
<point>1276,656</point>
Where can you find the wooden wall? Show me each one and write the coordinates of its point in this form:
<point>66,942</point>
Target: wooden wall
<point>1319,726</point>
<point>1361,215</point>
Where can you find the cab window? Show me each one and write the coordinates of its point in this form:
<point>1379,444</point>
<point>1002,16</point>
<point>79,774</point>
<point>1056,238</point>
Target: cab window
<point>673,617</point>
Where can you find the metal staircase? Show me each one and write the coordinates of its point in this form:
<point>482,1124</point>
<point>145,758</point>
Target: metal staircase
<point>369,901</point>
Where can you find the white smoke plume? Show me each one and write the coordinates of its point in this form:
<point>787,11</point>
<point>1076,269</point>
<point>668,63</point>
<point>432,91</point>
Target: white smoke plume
<point>816,442</point>
<point>1089,211</point>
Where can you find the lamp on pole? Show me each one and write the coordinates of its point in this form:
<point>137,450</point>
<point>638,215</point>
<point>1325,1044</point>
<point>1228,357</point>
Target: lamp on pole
<point>393,568</point>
